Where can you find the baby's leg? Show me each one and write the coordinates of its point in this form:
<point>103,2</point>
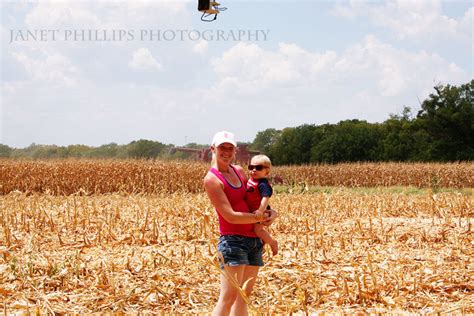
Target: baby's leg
<point>265,236</point>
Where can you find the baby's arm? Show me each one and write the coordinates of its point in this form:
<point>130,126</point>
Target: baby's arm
<point>260,213</point>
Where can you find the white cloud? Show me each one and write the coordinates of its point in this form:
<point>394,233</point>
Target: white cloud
<point>393,70</point>
<point>106,14</point>
<point>54,68</point>
<point>415,19</point>
<point>351,11</point>
<point>143,60</point>
<point>69,14</point>
<point>252,68</point>
<point>253,91</point>
<point>365,81</point>
<point>90,58</point>
<point>201,47</point>
<point>467,22</point>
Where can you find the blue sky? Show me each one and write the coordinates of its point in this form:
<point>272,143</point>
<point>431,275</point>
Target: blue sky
<point>321,61</point>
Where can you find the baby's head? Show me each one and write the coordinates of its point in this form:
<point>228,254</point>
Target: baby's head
<point>259,167</point>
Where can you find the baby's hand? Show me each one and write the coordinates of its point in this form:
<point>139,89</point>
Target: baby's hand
<point>260,215</point>
<point>270,216</point>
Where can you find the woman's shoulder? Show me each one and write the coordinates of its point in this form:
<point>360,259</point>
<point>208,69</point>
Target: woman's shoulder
<point>211,179</point>
<point>210,176</point>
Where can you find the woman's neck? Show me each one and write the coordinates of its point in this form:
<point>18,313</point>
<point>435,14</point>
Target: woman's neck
<point>223,167</point>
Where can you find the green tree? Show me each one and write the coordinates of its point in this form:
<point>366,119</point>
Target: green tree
<point>293,145</point>
<point>281,152</point>
<point>319,135</point>
<point>403,140</point>
<point>264,140</point>
<point>447,116</point>
<point>78,151</point>
<point>105,151</point>
<point>5,151</point>
<point>145,149</point>
<point>398,137</point>
<point>350,140</point>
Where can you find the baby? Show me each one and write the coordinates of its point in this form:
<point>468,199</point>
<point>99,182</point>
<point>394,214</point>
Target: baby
<point>258,196</point>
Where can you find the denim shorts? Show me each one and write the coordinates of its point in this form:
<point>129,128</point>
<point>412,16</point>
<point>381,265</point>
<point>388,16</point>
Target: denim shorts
<point>240,250</point>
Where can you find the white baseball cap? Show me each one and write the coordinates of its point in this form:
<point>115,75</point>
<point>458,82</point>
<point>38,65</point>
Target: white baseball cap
<point>223,137</point>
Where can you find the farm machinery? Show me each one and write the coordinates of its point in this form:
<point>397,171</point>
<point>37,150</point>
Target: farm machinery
<point>243,153</point>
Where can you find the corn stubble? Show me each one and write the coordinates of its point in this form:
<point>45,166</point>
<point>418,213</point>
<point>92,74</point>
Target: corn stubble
<point>133,252</point>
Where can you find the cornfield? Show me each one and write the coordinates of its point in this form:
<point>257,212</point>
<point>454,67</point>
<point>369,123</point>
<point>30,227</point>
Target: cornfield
<point>66,177</point>
<point>117,245</point>
<point>421,175</point>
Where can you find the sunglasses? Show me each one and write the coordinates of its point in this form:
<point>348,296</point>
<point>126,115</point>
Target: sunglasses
<point>257,167</point>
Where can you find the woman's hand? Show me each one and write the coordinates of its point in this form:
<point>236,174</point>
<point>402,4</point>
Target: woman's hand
<point>272,215</point>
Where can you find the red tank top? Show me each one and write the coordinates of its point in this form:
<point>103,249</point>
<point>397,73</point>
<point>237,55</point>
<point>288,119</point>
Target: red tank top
<point>236,197</point>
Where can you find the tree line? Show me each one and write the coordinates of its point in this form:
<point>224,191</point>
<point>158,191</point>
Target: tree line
<point>140,149</point>
<point>441,131</point>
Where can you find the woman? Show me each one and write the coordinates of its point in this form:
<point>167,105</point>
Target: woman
<point>240,247</point>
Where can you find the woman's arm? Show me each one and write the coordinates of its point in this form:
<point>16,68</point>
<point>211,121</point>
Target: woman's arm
<point>216,194</point>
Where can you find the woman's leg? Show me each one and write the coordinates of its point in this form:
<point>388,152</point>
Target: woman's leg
<point>249,273</point>
<point>228,293</point>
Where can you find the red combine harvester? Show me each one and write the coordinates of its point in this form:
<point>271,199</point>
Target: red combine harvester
<point>243,154</point>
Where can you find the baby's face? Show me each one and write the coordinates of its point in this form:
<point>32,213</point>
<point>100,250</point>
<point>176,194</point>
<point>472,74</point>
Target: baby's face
<point>258,169</point>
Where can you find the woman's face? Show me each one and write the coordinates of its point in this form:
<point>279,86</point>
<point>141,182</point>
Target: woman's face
<point>225,152</point>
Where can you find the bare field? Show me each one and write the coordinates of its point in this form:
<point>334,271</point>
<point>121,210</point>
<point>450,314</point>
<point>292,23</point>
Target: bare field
<point>342,251</point>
